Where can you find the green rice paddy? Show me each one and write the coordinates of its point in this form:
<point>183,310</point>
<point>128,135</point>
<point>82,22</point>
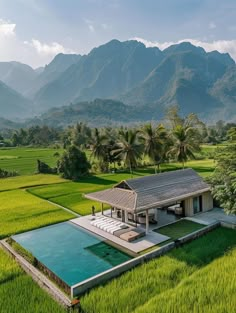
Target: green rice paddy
<point>21,211</point>
<point>185,280</point>
<point>24,160</point>
<point>198,277</point>
<point>19,293</point>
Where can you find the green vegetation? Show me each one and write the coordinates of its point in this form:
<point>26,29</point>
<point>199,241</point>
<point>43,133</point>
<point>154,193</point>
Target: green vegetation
<point>24,160</point>
<point>70,194</point>
<point>22,211</point>
<point>198,275</point>
<point>6,174</point>
<point>29,181</point>
<point>179,229</point>
<point>73,164</point>
<point>19,293</point>
<point>224,179</point>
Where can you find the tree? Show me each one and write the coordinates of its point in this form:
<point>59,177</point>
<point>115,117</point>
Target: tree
<point>186,138</point>
<point>223,181</point>
<point>73,164</point>
<point>128,148</point>
<point>44,168</point>
<point>154,140</point>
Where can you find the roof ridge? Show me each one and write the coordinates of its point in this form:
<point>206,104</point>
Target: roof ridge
<point>174,183</point>
<point>163,173</point>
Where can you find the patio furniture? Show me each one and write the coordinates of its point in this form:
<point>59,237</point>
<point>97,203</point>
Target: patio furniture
<point>132,235</point>
<point>141,218</point>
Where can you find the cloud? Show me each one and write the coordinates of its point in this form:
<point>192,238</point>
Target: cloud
<point>7,28</point>
<point>45,49</point>
<point>91,28</point>
<point>223,46</point>
<point>212,25</point>
<point>90,25</point>
<point>104,26</point>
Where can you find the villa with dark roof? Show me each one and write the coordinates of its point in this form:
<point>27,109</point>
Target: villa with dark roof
<point>181,192</point>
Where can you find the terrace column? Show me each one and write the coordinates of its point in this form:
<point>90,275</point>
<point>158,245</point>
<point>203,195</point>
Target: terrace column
<point>126,216</point>
<point>147,222</point>
<point>102,209</point>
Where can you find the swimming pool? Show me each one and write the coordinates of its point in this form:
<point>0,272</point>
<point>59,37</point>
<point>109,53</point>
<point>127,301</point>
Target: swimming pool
<point>70,252</point>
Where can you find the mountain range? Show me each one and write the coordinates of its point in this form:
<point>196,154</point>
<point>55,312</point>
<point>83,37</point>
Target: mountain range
<point>125,78</point>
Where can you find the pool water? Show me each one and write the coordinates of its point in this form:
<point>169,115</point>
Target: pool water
<point>72,253</point>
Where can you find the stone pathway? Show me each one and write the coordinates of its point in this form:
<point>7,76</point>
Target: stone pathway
<point>213,216</point>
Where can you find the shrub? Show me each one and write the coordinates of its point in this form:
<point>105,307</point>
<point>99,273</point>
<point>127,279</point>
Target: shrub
<point>5,173</point>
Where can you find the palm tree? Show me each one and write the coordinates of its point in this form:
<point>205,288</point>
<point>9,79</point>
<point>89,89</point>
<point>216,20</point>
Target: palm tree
<point>128,148</point>
<point>99,145</point>
<point>154,140</point>
<point>185,143</point>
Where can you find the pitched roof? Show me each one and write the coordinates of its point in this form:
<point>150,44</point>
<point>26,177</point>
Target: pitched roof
<point>152,191</point>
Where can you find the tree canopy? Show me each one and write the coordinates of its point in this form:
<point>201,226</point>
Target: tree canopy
<point>223,180</point>
<point>73,163</point>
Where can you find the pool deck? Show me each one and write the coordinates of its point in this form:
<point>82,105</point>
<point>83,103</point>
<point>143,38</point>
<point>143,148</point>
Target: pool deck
<point>139,245</point>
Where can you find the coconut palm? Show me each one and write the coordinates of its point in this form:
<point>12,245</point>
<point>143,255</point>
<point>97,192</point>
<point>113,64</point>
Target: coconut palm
<point>128,148</point>
<point>99,145</point>
<point>154,141</point>
<point>185,143</point>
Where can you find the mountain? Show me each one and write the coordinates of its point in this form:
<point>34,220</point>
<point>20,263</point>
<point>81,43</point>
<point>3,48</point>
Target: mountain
<point>12,104</point>
<point>7,124</point>
<point>105,72</point>
<point>136,76</point>
<point>225,90</point>
<point>184,77</point>
<point>98,112</point>
<point>16,75</point>
<point>50,72</point>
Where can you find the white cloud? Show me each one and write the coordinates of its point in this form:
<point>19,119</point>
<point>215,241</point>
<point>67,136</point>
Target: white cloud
<point>91,28</point>
<point>90,25</point>
<point>7,28</point>
<point>104,26</point>
<point>212,25</point>
<point>45,49</point>
<point>223,46</point>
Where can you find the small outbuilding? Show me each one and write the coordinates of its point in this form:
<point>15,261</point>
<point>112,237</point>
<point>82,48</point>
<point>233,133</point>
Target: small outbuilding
<point>182,192</point>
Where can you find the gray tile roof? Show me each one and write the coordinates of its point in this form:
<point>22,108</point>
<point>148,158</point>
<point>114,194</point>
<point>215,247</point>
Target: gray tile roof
<point>152,191</point>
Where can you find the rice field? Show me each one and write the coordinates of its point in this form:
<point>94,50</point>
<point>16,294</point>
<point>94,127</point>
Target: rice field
<point>19,293</point>
<point>198,277</point>
<point>24,160</point>
<point>21,211</point>
<point>29,181</point>
<point>70,194</point>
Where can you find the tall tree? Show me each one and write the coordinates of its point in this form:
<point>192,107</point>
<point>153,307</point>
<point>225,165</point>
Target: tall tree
<point>99,145</point>
<point>186,138</point>
<point>223,180</point>
<point>128,148</point>
<point>154,139</point>
<point>73,164</point>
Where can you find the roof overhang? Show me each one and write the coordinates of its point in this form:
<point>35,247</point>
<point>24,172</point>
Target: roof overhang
<point>96,196</point>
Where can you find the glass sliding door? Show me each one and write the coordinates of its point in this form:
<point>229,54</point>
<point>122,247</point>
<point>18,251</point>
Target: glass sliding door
<point>197,207</point>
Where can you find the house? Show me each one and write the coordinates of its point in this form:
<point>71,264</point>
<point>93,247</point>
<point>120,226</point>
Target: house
<point>182,192</point>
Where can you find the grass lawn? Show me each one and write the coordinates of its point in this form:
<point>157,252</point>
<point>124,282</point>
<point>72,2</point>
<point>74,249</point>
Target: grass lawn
<point>24,160</point>
<point>179,229</point>
<point>21,211</point>
<point>19,293</point>
<point>198,277</point>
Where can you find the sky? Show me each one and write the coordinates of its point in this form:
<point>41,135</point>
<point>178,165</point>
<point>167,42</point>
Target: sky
<point>34,31</point>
